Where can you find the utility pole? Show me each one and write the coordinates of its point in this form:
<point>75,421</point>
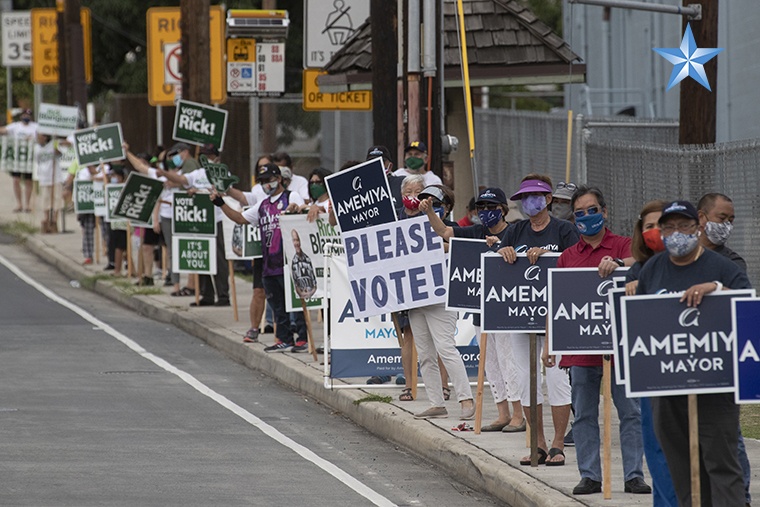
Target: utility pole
<point>384,21</point>
<point>63,94</point>
<point>697,115</point>
<point>75,75</point>
<point>268,125</point>
<point>194,65</point>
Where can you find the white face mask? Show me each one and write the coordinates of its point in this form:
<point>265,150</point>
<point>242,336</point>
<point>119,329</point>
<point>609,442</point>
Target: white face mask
<point>270,188</point>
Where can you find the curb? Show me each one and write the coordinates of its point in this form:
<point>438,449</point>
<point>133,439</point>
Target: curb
<point>470,464</point>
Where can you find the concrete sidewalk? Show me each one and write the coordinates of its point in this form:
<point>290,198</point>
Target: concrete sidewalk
<point>488,462</point>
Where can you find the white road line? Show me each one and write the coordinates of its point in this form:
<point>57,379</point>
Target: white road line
<point>368,493</point>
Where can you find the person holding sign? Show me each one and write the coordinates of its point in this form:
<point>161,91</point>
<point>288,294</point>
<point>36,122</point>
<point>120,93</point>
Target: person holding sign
<point>599,248</point>
<point>267,216</point>
<point>696,271</point>
<point>499,368</point>
<point>181,159</point>
<point>535,236</point>
<point>25,129</point>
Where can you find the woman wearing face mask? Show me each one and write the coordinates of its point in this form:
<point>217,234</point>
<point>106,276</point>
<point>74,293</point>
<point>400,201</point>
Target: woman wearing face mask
<point>560,205</point>
<point>535,236</point>
<point>492,209</point>
<point>695,271</point>
<point>320,200</point>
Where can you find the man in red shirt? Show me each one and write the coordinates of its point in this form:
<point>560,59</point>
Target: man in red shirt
<point>599,247</point>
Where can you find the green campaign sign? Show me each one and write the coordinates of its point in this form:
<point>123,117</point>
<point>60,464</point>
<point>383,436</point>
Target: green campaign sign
<point>200,124</point>
<point>138,198</point>
<point>17,154</point>
<point>193,214</point>
<point>99,144</point>
<point>84,197</point>
<point>194,255</point>
<point>218,174</point>
<point>112,193</point>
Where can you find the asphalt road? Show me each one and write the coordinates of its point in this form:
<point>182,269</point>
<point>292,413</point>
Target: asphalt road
<point>99,406</point>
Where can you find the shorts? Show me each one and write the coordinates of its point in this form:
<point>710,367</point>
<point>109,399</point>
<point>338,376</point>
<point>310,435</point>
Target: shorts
<point>119,240</point>
<point>150,237</point>
<point>23,176</point>
<point>258,266</point>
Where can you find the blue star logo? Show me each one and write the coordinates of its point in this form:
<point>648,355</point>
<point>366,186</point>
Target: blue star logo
<point>688,60</point>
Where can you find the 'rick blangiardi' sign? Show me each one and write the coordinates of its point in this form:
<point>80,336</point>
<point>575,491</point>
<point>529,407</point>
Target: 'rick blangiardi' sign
<point>672,349</point>
<point>513,296</point>
<point>579,311</point>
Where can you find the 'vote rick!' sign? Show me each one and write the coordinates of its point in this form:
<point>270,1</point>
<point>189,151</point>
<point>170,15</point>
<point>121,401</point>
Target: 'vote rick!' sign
<point>395,266</point>
<point>672,349</point>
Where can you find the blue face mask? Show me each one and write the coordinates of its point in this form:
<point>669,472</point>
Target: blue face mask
<point>532,205</point>
<point>490,217</point>
<point>177,160</point>
<point>590,225</point>
<point>680,244</point>
<point>440,211</point>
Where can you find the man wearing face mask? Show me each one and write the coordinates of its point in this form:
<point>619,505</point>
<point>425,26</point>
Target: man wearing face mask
<point>560,205</point>
<point>293,182</point>
<point>599,248</point>
<point>416,163</point>
<point>691,268</point>
<point>182,159</point>
<point>716,219</point>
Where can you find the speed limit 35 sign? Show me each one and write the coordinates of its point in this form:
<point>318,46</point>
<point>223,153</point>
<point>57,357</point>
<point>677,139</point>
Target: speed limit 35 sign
<point>17,39</point>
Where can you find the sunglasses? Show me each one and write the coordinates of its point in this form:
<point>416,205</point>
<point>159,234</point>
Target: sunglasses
<point>570,186</point>
<point>489,206</point>
<point>593,210</point>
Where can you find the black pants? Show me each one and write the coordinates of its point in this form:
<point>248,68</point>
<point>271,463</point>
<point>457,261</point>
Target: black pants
<point>222,276</point>
<point>274,286</point>
<point>720,473</point>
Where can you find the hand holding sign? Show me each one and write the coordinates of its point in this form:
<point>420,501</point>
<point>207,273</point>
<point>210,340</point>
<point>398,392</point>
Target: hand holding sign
<point>218,174</point>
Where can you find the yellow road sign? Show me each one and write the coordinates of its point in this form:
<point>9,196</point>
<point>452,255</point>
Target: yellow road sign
<point>314,100</point>
<point>45,45</point>
<point>163,29</point>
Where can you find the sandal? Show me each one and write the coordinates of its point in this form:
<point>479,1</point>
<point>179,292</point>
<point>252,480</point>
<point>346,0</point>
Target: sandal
<point>446,393</point>
<point>406,394</point>
<point>184,291</point>
<point>555,451</point>
<point>541,458</point>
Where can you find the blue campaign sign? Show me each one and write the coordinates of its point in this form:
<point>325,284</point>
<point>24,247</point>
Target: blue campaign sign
<point>745,316</point>
<point>672,349</point>
<point>579,311</point>
<point>463,280</point>
<point>513,296</point>
<point>618,335</point>
<point>361,196</point>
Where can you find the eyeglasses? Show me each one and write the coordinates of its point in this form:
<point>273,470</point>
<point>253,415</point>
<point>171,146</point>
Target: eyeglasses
<point>593,210</point>
<point>570,186</point>
<point>488,206</point>
<point>682,228</point>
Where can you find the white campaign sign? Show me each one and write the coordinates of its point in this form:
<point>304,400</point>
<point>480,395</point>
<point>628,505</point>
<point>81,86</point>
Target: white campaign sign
<point>329,24</point>
<point>17,39</point>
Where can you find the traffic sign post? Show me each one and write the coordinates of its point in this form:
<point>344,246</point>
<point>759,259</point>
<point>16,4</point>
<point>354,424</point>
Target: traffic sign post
<point>163,55</point>
<point>314,100</point>
<point>241,62</point>
<point>328,25</point>
<point>44,24</point>
<point>17,39</point>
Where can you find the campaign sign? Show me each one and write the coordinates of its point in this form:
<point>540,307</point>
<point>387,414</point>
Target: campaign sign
<point>194,255</point>
<point>745,317</point>
<point>99,144</point>
<point>618,335</point>
<point>579,311</point>
<point>200,124</point>
<point>361,196</point>
<point>241,241</point>
<point>303,244</point>
<point>513,296</point>
<point>138,198</point>
<point>84,196</point>
<point>395,266</point>
<point>368,347</point>
<point>218,174</point>
<point>463,280</point>
<point>193,214</point>
<point>17,154</point>
<point>672,349</point>
<point>56,120</point>
<point>112,193</point>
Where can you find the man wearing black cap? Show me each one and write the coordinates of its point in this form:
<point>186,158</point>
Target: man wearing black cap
<point>181,157</point>
<point>393,181</point>
<point>416,163</point>
<point>696,271</point>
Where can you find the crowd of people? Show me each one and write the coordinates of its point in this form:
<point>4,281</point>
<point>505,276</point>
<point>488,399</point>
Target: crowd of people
<point>675,247</point>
